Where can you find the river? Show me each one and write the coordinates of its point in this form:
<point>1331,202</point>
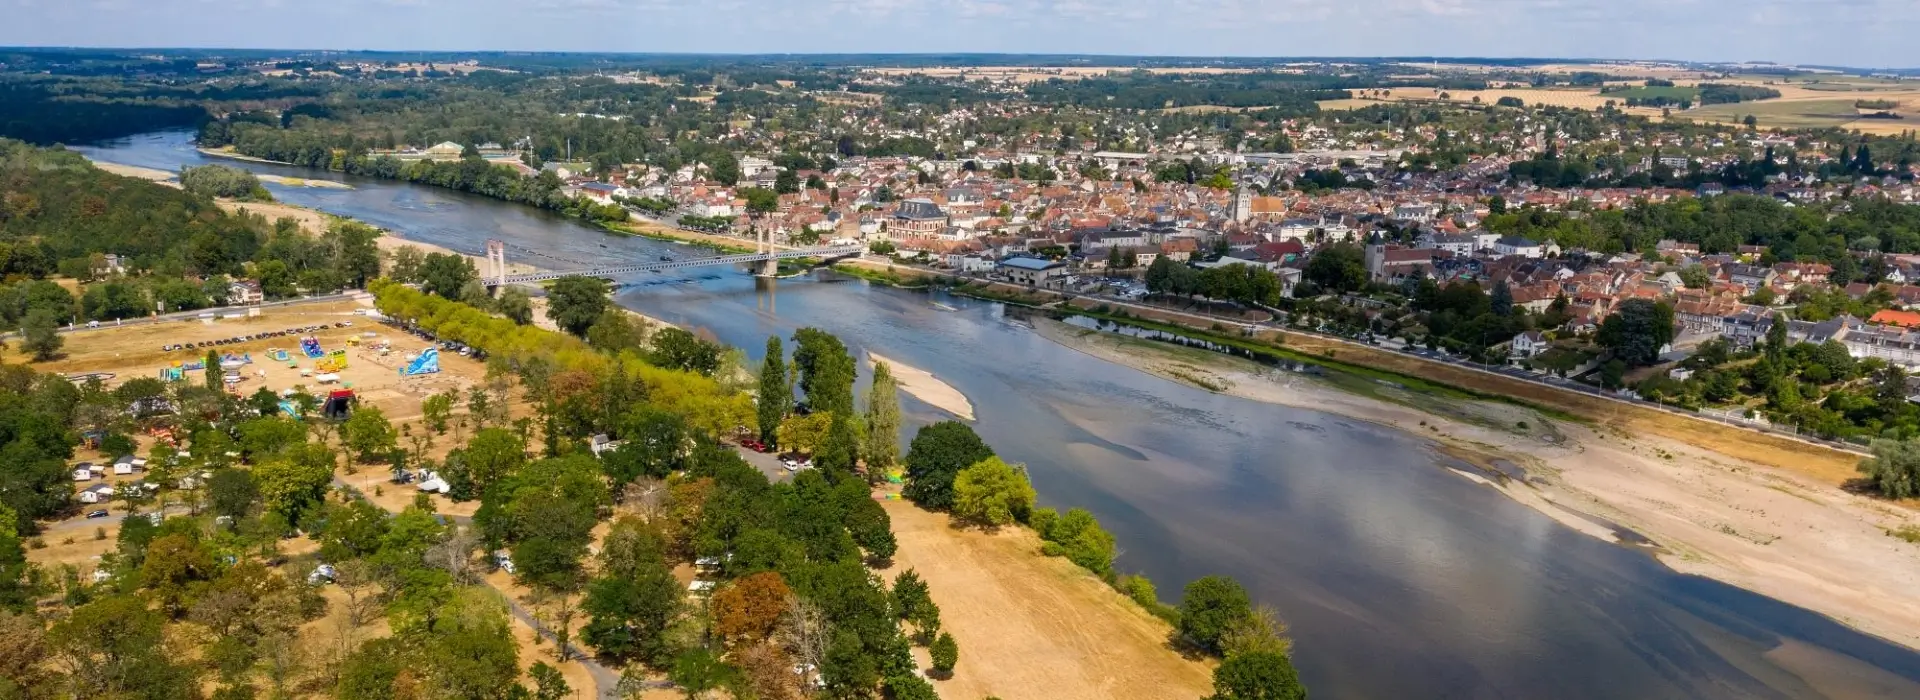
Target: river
<point>1399,578</point>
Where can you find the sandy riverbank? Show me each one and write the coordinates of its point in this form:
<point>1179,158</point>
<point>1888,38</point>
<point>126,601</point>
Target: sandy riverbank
<point>161,176</point>
<point>922,385</point>
<point>1033,627</point>
<point>1782,534</point>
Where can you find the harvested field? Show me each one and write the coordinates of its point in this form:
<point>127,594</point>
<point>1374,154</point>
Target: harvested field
<point>1825,110</point>
<point>1033,627</point>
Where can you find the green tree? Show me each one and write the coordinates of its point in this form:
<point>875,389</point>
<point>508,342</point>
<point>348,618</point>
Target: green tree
<point>368,433</point>
<point>548,682</point>
<point>910,687</point>
<point>675,348</point>
<point>445,274</point>
<point>826,371</point>
<point>697,671</point>
<point>787,182</point>
<point>1211,607</point>
<point>1894,468</point>
<point>945,653</point>
<point>1340,267</point>
<point>631,611</point>
<point>883,422</point>
<point>515,305</point>
<point>913,602</point>
<point>936,456</point>
<point>774,398</point>
<point>437,411</point>
<point>232,494</point>
<point>616,330</point>
<point>40,335</point>
<point>1637,331</point>
<point>212,370</point>
<point>992,493</point>
<point>574,303</point>
<point>760,200</point>
<point>291,488</point>
<point>841,450</point>
<point>1261,675</point>
<point>115,644</point>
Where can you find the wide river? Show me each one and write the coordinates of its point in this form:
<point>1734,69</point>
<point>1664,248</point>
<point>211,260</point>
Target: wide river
<point>1399,578</point>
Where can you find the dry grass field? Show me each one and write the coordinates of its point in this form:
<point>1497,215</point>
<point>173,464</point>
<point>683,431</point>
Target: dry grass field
<point>135,351</point>
<point>1033,627</point>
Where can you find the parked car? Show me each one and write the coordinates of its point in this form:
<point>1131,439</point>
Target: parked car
<point>97,514</point>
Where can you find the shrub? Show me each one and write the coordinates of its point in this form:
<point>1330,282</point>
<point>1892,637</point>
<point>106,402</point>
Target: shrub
<point>945,653</point>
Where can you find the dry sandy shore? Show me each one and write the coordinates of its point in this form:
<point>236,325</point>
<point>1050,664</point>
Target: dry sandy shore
<point>1033,627</point>
<point>1780,534</point>
<point>922,385</point>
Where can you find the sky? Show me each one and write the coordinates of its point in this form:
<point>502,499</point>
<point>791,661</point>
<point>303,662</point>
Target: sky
<point>1861,33</point>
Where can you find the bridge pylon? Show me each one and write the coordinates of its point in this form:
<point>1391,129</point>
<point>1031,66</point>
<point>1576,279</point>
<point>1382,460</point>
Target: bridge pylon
<point>497,262</point>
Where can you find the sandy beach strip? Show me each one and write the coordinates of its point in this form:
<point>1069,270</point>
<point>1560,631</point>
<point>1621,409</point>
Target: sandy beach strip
<point>161,176</point>
<point>922,385</point>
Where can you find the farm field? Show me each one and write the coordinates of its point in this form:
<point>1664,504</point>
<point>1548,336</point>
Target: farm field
<point>1801,114</point>
<point>1641,93</point>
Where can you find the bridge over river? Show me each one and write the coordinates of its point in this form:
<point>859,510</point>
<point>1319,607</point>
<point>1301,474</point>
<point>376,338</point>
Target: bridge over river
<point>497,263</point>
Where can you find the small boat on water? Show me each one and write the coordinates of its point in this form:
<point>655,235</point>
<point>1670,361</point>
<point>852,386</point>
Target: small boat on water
<point>943,307</point>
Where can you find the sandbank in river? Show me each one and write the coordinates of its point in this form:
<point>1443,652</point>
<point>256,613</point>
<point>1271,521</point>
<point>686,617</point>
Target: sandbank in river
<point>922,385</point>
<point>1777,533</point>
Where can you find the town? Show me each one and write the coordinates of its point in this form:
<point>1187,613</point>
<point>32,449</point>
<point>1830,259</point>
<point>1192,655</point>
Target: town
<point>918,375</point>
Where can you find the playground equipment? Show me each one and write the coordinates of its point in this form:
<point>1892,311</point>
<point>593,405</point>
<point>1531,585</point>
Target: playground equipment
<point>334,362</point>
<point>231,361</point>
<point>279,355</point>
<point>172,374</point>
<point>194,366</point>
<point>427,363</point>
<point>338,404</point>
<point>311,346</point>
<point>292,410</point>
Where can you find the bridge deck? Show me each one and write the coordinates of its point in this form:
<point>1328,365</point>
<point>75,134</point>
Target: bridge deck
<point>840,251</point>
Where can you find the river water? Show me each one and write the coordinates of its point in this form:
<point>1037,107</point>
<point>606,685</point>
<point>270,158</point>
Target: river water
<point>1399,578</point>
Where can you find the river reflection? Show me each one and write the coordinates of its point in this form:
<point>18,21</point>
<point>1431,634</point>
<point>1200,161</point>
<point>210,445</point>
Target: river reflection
<point>1399,578</point>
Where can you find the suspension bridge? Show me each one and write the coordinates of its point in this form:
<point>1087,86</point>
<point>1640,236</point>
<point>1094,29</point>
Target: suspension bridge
<point>497,263</point>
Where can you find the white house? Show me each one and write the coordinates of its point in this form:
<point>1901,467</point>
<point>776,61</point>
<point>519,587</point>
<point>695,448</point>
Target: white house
<point>1517,245</point>
<point>82,473</point>
<point>1527,345</point>
<point>1456,243</point>
<point>245,292</point>
<point>97,493</point>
